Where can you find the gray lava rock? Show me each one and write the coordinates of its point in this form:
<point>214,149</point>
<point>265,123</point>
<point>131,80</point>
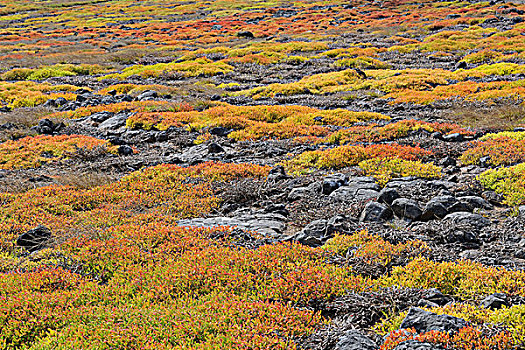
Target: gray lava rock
<point>99,117</point>
<point>374,212</point>
<point>333,182</point>
<point>415,345</point>
<point>387,196</point>
<point>424,321</point>
<point>215,148</point>
<point>467,220</point>
<point>456,137</point>
<point>115,122</point>
<point>406,208</point>
<point>162,136</point>
<point>60,101</point>
<point>268,224</point>
<point>476,202</point>
<point>125,150</point>
<point>460,207</point>
<point>298,193</point>
<point>447,161</point>
<point>148,95</point>
<point>494,301</point>
<point>355,340</point>
<point>34,239</point>
<point>357,189</point>
<point>433,210</point>
<point>434,295</point>
<point>220,131</point>
<point>277,173</point>
<point>319,231</point>
<point>245,34</point>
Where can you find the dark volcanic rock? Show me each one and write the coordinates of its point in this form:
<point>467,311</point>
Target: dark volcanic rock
<point>424,321</point>
<point>245,34</point>
<point>415,345</point>
<point>357,189</point>
<point>467,220</point>
<point>494,301</point>
<point>434,210</point>
<point>319,231</point>
<point>387,196</point>
<point>406,208</point>
<point>355,340</point>
<point>34,239</point>
<point>332,183</point>
<point>125,150</point>
<point>375,211</point>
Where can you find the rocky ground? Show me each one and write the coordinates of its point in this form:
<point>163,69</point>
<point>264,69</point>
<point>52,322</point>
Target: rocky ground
<point>454,215</point>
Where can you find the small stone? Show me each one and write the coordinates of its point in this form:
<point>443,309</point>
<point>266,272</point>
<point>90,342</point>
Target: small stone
<point>467,220</point>
<point>406,208</point>
<point>60,101</point>
<point>148,95</point>
<point>245,34</point>
<point>215,148</point>
<point>374,212</point>
<point>161,136</point>
<point>220,131</point>
<point>456,137</point>
<point>447,161</point>
<point>461,65</point>
<point>433,210</point>
<point>125,150</point>
<point>387,196</point>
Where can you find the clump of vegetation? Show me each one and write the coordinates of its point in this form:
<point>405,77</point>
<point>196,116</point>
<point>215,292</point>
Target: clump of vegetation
<point>33,151</point>
<point>255,122</point>
<point>345,156</point>
<point>501,150</point>
<point>30,94</point>
<point>383,170</point>
<point>504,115</point>
<point>58,70</point>
<point>134,106</point>
<point>462,278</point>
<point>373,250</point>
<point>392,131</point>
<point>510,182</point>
<point>198,67</point>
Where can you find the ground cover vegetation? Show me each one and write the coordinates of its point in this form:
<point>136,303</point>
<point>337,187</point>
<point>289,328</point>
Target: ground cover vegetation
<point>321,175</point>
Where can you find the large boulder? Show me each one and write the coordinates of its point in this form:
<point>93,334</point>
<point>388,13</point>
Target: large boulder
<point>355,340</point>
<point>424,321</point>
<point>319,231</point>
<point>406,208</point>
<point>495,301</point>
<point>357,189</point>
<point>466,220</point>
<point>374,212</point>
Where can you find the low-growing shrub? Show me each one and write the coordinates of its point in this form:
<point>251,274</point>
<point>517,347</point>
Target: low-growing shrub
<point>255,122</point>
<point>373,250</point>
<point>510,182</point>
<point>33,151</point>
<point>344,156</point>
<point>502,150</point>
<point>383,170</point>
<point>461,278</point>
